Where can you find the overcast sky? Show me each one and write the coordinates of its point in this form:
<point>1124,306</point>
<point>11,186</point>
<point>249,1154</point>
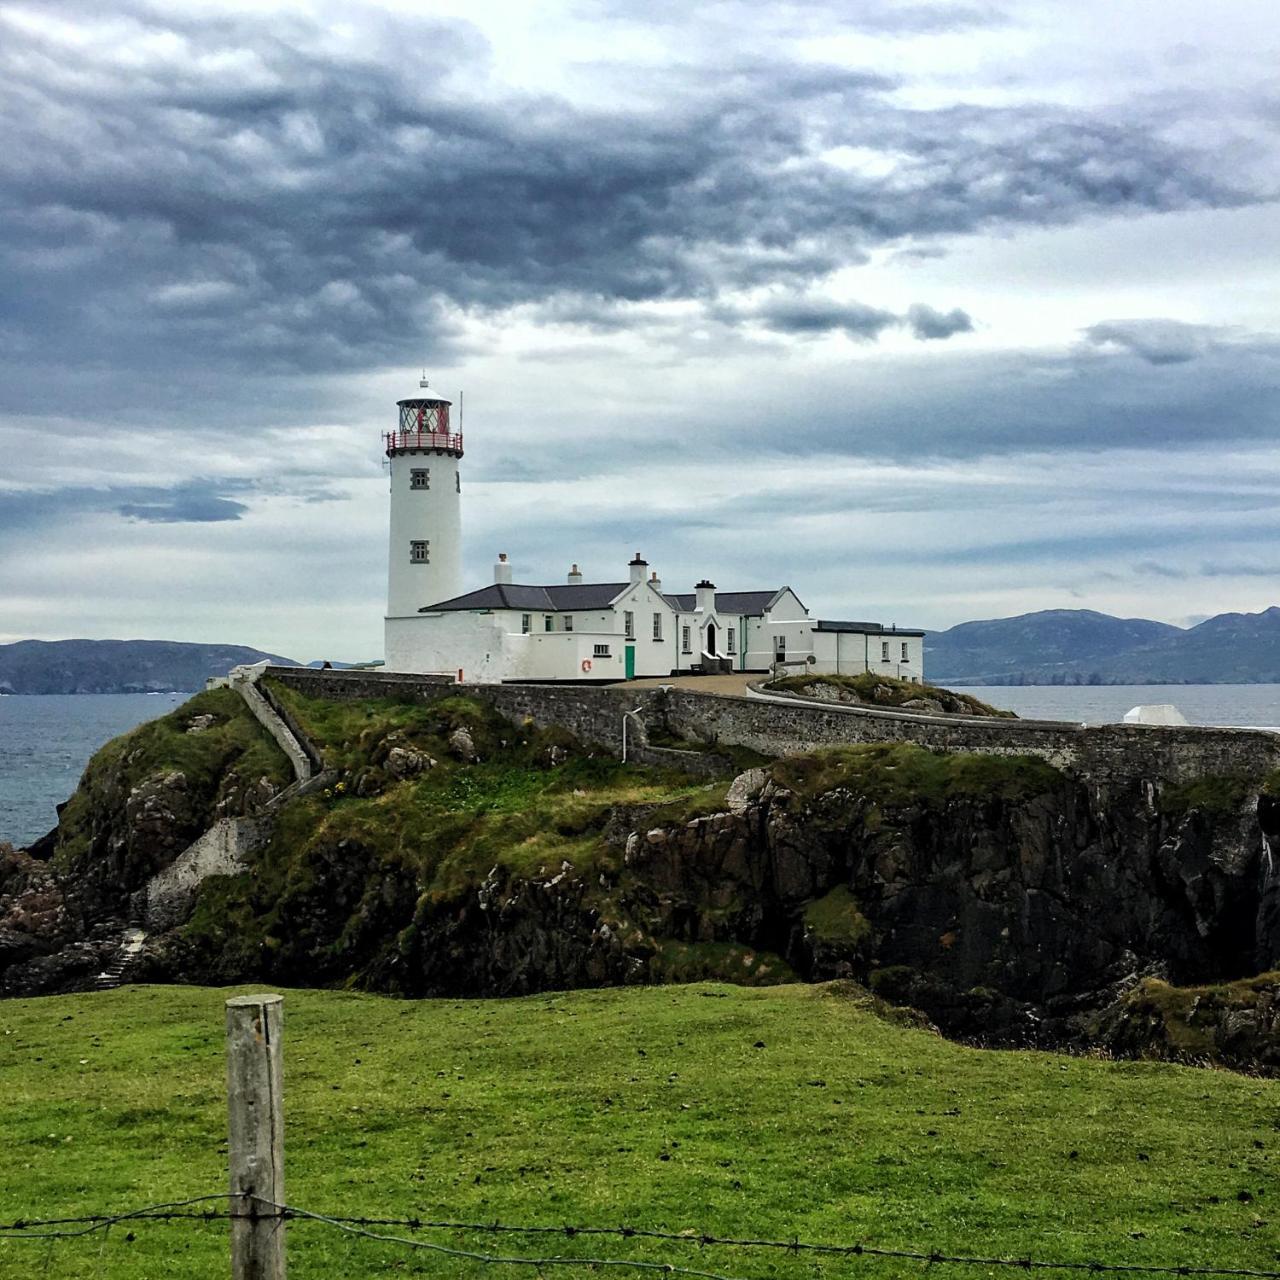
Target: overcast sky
<point>931,310</point>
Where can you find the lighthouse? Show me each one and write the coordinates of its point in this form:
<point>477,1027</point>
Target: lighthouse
<point>424,554</point>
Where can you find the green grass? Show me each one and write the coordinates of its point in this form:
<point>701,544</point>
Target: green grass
<point>1185,1023</point>
<point>836,918</point>
<point>229,755</point>
<point>1210,793</point>
<point>334,891</point>
<point>899,774</point>
<point>888,691</point>
<point>768,1112</point>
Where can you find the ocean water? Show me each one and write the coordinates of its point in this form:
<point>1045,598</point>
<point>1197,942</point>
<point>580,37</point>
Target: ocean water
<point>1255,705</point>
<point>45,743</point>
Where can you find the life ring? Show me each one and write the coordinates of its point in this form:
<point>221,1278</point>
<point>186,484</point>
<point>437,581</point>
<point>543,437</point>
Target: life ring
<point>586,664</point>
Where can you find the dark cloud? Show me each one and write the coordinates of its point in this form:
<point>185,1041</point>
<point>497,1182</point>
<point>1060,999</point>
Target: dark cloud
<point>930,325</point>
<point>194,502</point>
<point>815,315</point>
<point>820,316</point>
<point>1155,341</point>
<point>184,508</point>
<point>246,193</point>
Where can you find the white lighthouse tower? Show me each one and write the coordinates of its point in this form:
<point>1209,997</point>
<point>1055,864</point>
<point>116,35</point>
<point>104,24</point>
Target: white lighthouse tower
<point>424,564</point>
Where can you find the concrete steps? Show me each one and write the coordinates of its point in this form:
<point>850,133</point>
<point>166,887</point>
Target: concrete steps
<point>115,972</point>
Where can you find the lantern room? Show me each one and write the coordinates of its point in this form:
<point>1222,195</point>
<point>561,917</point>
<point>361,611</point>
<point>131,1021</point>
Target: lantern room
<point>424,425</point>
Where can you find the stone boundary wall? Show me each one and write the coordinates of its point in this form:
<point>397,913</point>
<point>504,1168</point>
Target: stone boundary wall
<point>221,851</point>
<point>283,714</point>
<point>280,732</point>
<point>1120,752</point>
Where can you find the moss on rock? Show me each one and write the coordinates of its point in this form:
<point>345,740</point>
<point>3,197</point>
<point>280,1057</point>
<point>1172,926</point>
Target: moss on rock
<point>871,690</point>
<point>900,774</point>
<point>836,920</point>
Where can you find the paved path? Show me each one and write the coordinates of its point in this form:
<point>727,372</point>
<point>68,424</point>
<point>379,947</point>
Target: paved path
<point>734,684</point>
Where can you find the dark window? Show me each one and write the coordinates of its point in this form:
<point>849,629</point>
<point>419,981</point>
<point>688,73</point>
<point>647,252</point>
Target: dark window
<point>420,552</point>
<point>525,620</point>
<point>420,478</point>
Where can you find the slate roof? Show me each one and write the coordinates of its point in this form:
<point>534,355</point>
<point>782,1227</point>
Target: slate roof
<point>564,597</point>
<point>864,628</point>
<point>579,596</point>
<point>747,603</point>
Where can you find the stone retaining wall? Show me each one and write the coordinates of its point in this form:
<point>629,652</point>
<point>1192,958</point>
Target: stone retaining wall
<point>1161,753</point>
<point>221,851</point>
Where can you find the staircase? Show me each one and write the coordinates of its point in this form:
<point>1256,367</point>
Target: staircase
<point>116,971</point>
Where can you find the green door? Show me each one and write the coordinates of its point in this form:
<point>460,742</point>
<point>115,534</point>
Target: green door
<point>631,662</point>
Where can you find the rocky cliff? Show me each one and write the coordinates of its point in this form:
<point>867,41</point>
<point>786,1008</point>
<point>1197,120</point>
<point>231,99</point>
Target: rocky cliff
<point>459,853</point>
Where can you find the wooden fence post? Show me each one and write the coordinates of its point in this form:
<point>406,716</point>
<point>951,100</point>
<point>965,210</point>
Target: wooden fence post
<point>255,1128</point>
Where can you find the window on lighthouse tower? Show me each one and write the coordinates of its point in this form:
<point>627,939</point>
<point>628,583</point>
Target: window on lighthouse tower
<point>420,478</point>
<point>420,552</point>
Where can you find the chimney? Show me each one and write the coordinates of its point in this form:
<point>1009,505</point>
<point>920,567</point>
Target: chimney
<point>575,575</point>
<point>638,566</point>
<point>706,596</point>
<point>654,581</point>
<point>502,570</point>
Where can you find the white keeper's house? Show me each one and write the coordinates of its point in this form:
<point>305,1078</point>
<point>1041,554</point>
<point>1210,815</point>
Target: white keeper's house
<point>578,630</point>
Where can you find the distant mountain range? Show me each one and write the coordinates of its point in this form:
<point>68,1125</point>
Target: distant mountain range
<point>1079,646</point>
<point>1055,646</point>
<point>119,666</point>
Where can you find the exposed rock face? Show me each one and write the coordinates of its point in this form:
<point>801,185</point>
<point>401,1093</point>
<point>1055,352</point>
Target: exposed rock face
<point>403,762</point>
<point>1006,900</point>
<point>1011,919</point>
<point>1236,1023</point>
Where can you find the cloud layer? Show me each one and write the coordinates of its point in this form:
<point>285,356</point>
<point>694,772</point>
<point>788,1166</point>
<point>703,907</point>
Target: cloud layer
<point>709,275</point>
<point>251,190</point>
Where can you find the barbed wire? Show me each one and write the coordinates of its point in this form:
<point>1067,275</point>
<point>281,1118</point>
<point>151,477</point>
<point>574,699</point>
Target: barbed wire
<point>56,1228</point>
<point>706,1239</point>
<point>32,1228</point>
<point>512,1260</point>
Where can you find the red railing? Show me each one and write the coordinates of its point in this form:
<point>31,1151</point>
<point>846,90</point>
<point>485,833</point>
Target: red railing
<point>422,440</point>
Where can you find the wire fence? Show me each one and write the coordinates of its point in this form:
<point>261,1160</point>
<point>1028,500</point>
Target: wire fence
<point>377,1229</point>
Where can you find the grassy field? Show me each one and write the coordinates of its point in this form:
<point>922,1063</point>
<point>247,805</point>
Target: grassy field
<point>769,1112</point>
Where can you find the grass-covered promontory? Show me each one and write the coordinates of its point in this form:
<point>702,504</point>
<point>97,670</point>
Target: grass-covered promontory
<point>789,1111</point>
<point>872,690</point>
<point>205,758</point>
<point>428,802</point>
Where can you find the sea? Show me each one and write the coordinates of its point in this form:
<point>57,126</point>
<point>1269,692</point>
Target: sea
<point>46,741</point>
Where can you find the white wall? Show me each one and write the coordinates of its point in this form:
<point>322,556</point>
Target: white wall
<point>445,642</point>
<point>788,618</point>
<point>852,652</point>
<point>489,647</point>
<point>433,514</point>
